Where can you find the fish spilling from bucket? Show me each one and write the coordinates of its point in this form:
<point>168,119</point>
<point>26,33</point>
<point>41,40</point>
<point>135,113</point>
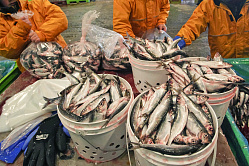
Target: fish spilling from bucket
<point>202,75</point>
<point>43,60</point>
<point>92,97</point>
<point>169,121</point>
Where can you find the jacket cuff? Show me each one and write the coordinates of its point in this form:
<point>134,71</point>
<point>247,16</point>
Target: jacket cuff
<point>41,36</point>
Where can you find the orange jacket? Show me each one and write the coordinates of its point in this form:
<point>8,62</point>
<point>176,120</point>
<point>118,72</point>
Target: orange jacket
<point>48,22</point>
<point>138,16</point>
<point>225,35</point>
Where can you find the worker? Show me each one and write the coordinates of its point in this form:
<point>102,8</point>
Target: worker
<point>45,25</point>
<point>136,17</point>
<point>227,22</point>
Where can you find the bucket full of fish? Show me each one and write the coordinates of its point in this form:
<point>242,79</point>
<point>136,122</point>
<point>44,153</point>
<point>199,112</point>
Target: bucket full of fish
<point>145,57</point>
<point>169,128</point>
<point>95,112</point>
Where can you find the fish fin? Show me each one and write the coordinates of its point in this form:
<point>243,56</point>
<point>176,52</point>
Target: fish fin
<point>47,102</point>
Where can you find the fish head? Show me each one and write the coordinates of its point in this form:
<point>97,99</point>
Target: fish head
<point>178,139</point>
<point>202,98</point>
<point>205,137</point>
<point>210,129</point>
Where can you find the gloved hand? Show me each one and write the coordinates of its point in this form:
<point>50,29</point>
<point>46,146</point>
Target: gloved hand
<point>44,145</point>
<point>181,43</point>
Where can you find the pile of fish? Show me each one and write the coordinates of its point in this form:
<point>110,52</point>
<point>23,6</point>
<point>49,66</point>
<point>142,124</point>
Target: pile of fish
<point>170,121</point>
<point>79,55</point>
<point>43,59</point>
<point>91,97</point>
<point>239,107</point>
<point>119,60</point>
<point>201,75</point>
<point>155,50</point>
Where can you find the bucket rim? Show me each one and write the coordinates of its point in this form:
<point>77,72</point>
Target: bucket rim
<point>214,139</point>
<point>138,67</point>
<point>140,62</point>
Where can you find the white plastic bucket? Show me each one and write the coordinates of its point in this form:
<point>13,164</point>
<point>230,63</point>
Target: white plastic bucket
<point>147,71</point>
<point>145,157</point>
<point>220,103</point>
<point>96,144</point>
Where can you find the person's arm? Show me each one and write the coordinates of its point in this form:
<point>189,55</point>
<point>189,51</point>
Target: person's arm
<point>13,39</point>
<point>121,15</point>
<point>164,12</point>
<point>197,23</point>
<point>55,21</point>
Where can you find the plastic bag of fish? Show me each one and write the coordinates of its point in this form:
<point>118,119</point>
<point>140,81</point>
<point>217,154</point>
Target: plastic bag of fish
<point>92,98</point>
<point>171,123</point>
<point>81,55</point>
<point>115,53</point>
<point>119,60</point>
<point>154,50</point>
<point>43,59</point>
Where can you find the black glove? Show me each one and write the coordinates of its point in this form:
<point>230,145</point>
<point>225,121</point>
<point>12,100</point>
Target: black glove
<point>48,140</point>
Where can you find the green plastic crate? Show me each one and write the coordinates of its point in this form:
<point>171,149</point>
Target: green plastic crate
<point>9,78</point>
<point>236,140</point>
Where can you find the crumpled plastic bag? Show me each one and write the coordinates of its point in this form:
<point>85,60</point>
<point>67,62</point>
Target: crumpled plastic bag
<point>28,103</point>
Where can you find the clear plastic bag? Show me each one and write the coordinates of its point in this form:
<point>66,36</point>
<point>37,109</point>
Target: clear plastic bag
<point>24,13</point>
<point>43,60</point>
<point>83,53</point>
<point>156,34</point>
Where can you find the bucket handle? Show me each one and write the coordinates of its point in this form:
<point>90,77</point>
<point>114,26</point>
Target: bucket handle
<point>82,134</point>
<point>214,155</point>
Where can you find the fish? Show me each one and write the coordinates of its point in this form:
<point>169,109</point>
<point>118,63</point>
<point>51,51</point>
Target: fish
<point>169,150</point>
<point>180,119</point>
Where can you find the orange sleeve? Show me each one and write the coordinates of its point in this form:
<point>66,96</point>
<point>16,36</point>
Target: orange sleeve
<point>55,21</point>
<point>197,23</point>
<point>13,41</point>
<point>121,15</point>
<point>164,12</point>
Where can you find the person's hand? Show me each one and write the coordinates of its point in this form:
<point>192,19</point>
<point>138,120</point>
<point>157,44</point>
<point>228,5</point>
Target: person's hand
<point>43,146</point>
<point>162,27</point>
<point>34,37</point>
<point>181,43</point>
<point>26,20</point>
